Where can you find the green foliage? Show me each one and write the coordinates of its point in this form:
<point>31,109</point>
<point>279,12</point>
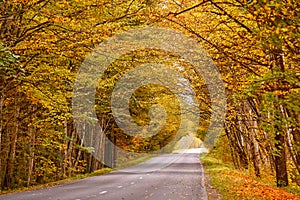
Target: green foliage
<point>9,68</point>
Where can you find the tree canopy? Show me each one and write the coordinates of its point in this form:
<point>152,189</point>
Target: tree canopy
<point>254,44</point>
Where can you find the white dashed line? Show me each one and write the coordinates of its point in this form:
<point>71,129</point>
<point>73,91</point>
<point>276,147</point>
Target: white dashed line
<point>132,183</point>
<point>103,192</point>
<point>120,186</point>
<point>141,177</point>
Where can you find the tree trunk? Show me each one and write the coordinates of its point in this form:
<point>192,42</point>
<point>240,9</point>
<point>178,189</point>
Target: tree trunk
<point>12,154</point>
<point>252,138</point>
<point>70,151</point>
<point>295,133</point>
<point>31,151</point>
<point>1,129</point>
<point>280,156</point>
<point>232,152</point>
<point>280,161</point>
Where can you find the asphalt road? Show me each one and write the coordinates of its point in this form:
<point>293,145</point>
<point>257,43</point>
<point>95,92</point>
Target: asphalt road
<point>168,177</point>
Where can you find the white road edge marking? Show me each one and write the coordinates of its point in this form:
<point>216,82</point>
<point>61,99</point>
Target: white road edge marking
<point>205,197</point>
<point>103,192</point>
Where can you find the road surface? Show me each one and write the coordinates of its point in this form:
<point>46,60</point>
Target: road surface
<point>167,177</point>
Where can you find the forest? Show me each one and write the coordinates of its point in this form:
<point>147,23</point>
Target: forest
<point>255,45</point>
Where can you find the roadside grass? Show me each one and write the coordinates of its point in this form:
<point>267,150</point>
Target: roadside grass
<point>235,184</point>
<point>135,161</point>
<point>50,184</point>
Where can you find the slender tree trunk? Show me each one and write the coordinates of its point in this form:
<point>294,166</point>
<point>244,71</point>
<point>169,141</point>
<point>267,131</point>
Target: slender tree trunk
<point>253,142</point>
<point>31,155</point>
<point>65,169</point>
<point>232,150</point>
<point>295,133</point>
<point>70,150</point>
<point>280,156</point>
<point>237,142</point>
<point>296,137</point>
<point>280,161</point>
<point>12,154</point>
<point>1,129</point>
<point>241,146</point>
<point>289,139</point>
<point>254,158</point>
<point>79,151</point>
<point>108,152</point>
<point>31,148</point>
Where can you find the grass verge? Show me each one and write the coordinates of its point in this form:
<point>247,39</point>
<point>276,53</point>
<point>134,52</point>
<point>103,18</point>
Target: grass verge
<point>80,176</point>
<point>234,184</point>
<point>135,161</point>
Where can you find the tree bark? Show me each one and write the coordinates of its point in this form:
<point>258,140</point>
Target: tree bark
<point>1,129</point>
<point>31,150</point>
<point>12,154</point>
<point>280,161</point>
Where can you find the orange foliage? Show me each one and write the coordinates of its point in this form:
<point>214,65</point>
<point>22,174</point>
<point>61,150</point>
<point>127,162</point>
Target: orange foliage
<point>251,189</point>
